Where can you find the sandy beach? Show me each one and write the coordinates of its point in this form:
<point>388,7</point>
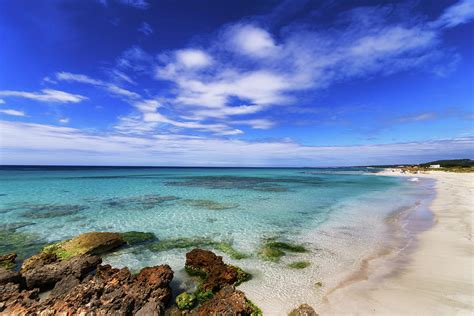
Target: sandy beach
<point>436,276</point>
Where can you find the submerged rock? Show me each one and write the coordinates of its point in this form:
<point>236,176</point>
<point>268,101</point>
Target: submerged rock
<point>8,261</point>
<point>39,211</point>
<point>135,237</point>
<point>273,250</point>
<point>209,204</point>
<point>303,310</point>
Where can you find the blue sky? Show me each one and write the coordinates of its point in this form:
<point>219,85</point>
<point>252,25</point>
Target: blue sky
<point>236,83</point>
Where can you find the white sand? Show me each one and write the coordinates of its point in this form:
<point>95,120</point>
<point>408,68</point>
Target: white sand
<point>437,279</point>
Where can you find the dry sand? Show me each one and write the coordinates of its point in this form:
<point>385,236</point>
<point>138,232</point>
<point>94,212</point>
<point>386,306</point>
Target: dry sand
<point>437,277</point>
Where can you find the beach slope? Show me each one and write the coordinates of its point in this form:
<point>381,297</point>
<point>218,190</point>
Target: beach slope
<point>438,277</point>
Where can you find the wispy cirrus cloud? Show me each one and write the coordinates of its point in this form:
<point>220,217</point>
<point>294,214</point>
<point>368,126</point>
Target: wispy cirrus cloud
<point>145,29</point>
<point>51,144</point>
<point>112,88</point>
<point>13,112</point>
<point>138,4</point>
<point>46,95</point>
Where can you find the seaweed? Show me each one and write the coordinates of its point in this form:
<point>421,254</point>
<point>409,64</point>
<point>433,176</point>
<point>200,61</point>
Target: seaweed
<point>40,211</point>
<point>134,237</point>
<point>273,250</point>
<point>299,264</point>
<point>209,204</point>
<point>146,202</point>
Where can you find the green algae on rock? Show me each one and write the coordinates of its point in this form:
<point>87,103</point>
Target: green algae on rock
<point>273,250</point>
<point>136,237</point>
<point>93,243</point>
<point>21,243</point>
<point>256,311</point>
<point>199,242</point>
<point>299,264</point>
<point>7,261</point>
<point>226,247</point>
<point>242,276</point>
<point>185,300</point>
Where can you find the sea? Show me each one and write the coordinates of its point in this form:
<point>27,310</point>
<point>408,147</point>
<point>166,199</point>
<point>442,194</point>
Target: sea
<point>340,216</point>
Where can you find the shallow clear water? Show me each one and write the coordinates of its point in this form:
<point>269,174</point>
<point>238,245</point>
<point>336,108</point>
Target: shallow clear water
<point>338,213</point>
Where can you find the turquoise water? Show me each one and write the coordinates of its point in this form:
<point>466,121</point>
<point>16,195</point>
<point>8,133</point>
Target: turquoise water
<point>329,209</point>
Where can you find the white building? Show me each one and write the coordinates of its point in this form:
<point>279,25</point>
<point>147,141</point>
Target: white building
<point>435,166</point>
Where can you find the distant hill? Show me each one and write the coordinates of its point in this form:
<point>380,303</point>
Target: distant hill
<point>465,163</point>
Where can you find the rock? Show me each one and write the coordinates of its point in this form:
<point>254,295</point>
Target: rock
<point>64,285</point>
<point>153,282</point>
<point>115,292</point>
<point>303,310</point>
<point>211,267</point>
<point>14,301</point>
<point>134,237</point>
<point>8,261</point>
<point>45,276</point>
<point>8,276</point>
<point>38,260</point>
<point>94,243</point>
<point>152,308</point>
<point>228,301</point>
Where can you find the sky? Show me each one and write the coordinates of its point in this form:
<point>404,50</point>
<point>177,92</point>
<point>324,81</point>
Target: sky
<point>235,83</point>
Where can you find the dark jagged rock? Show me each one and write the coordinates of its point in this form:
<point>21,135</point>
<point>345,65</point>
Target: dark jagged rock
<point>228,301</point>
<point>116,292</point>
<point>303,310</point>
<point>211,267</point>
<point>8,261</point>
<point>43,276</point>
<point>64,285</point>
<point>14,301</point>
<point>8,276</point>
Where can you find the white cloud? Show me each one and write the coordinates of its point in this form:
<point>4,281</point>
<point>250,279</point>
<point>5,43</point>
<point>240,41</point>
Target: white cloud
<point>46,95</point>
<point>12,112</point>
<point>193,58</point>
<point>70,77</point>
<point>256,123</point>
<point>139,4</point>
<point>146,29</point>
<point>64,120</point>
<point>54,144</point>
<point>2,101</point>
<point>251,40</point>
<point>459,13</point>
<point>112,88</point>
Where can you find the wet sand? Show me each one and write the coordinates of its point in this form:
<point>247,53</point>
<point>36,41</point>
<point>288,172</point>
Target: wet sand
<point>434,277</point>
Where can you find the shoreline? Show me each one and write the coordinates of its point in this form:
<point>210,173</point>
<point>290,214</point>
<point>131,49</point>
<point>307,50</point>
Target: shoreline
<point>434,276</point>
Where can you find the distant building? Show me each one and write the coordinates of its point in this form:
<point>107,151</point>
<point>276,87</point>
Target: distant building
<point>435,166</point>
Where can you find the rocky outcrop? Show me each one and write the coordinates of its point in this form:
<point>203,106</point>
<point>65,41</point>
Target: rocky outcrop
<point>116,292</point>
<point>303,310</point>
<point>94,243</point>
<point>8,276</point>
<point>109,292</point>
<point>45,274</point>
<point>228,301</point>
<point>214,271</point>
